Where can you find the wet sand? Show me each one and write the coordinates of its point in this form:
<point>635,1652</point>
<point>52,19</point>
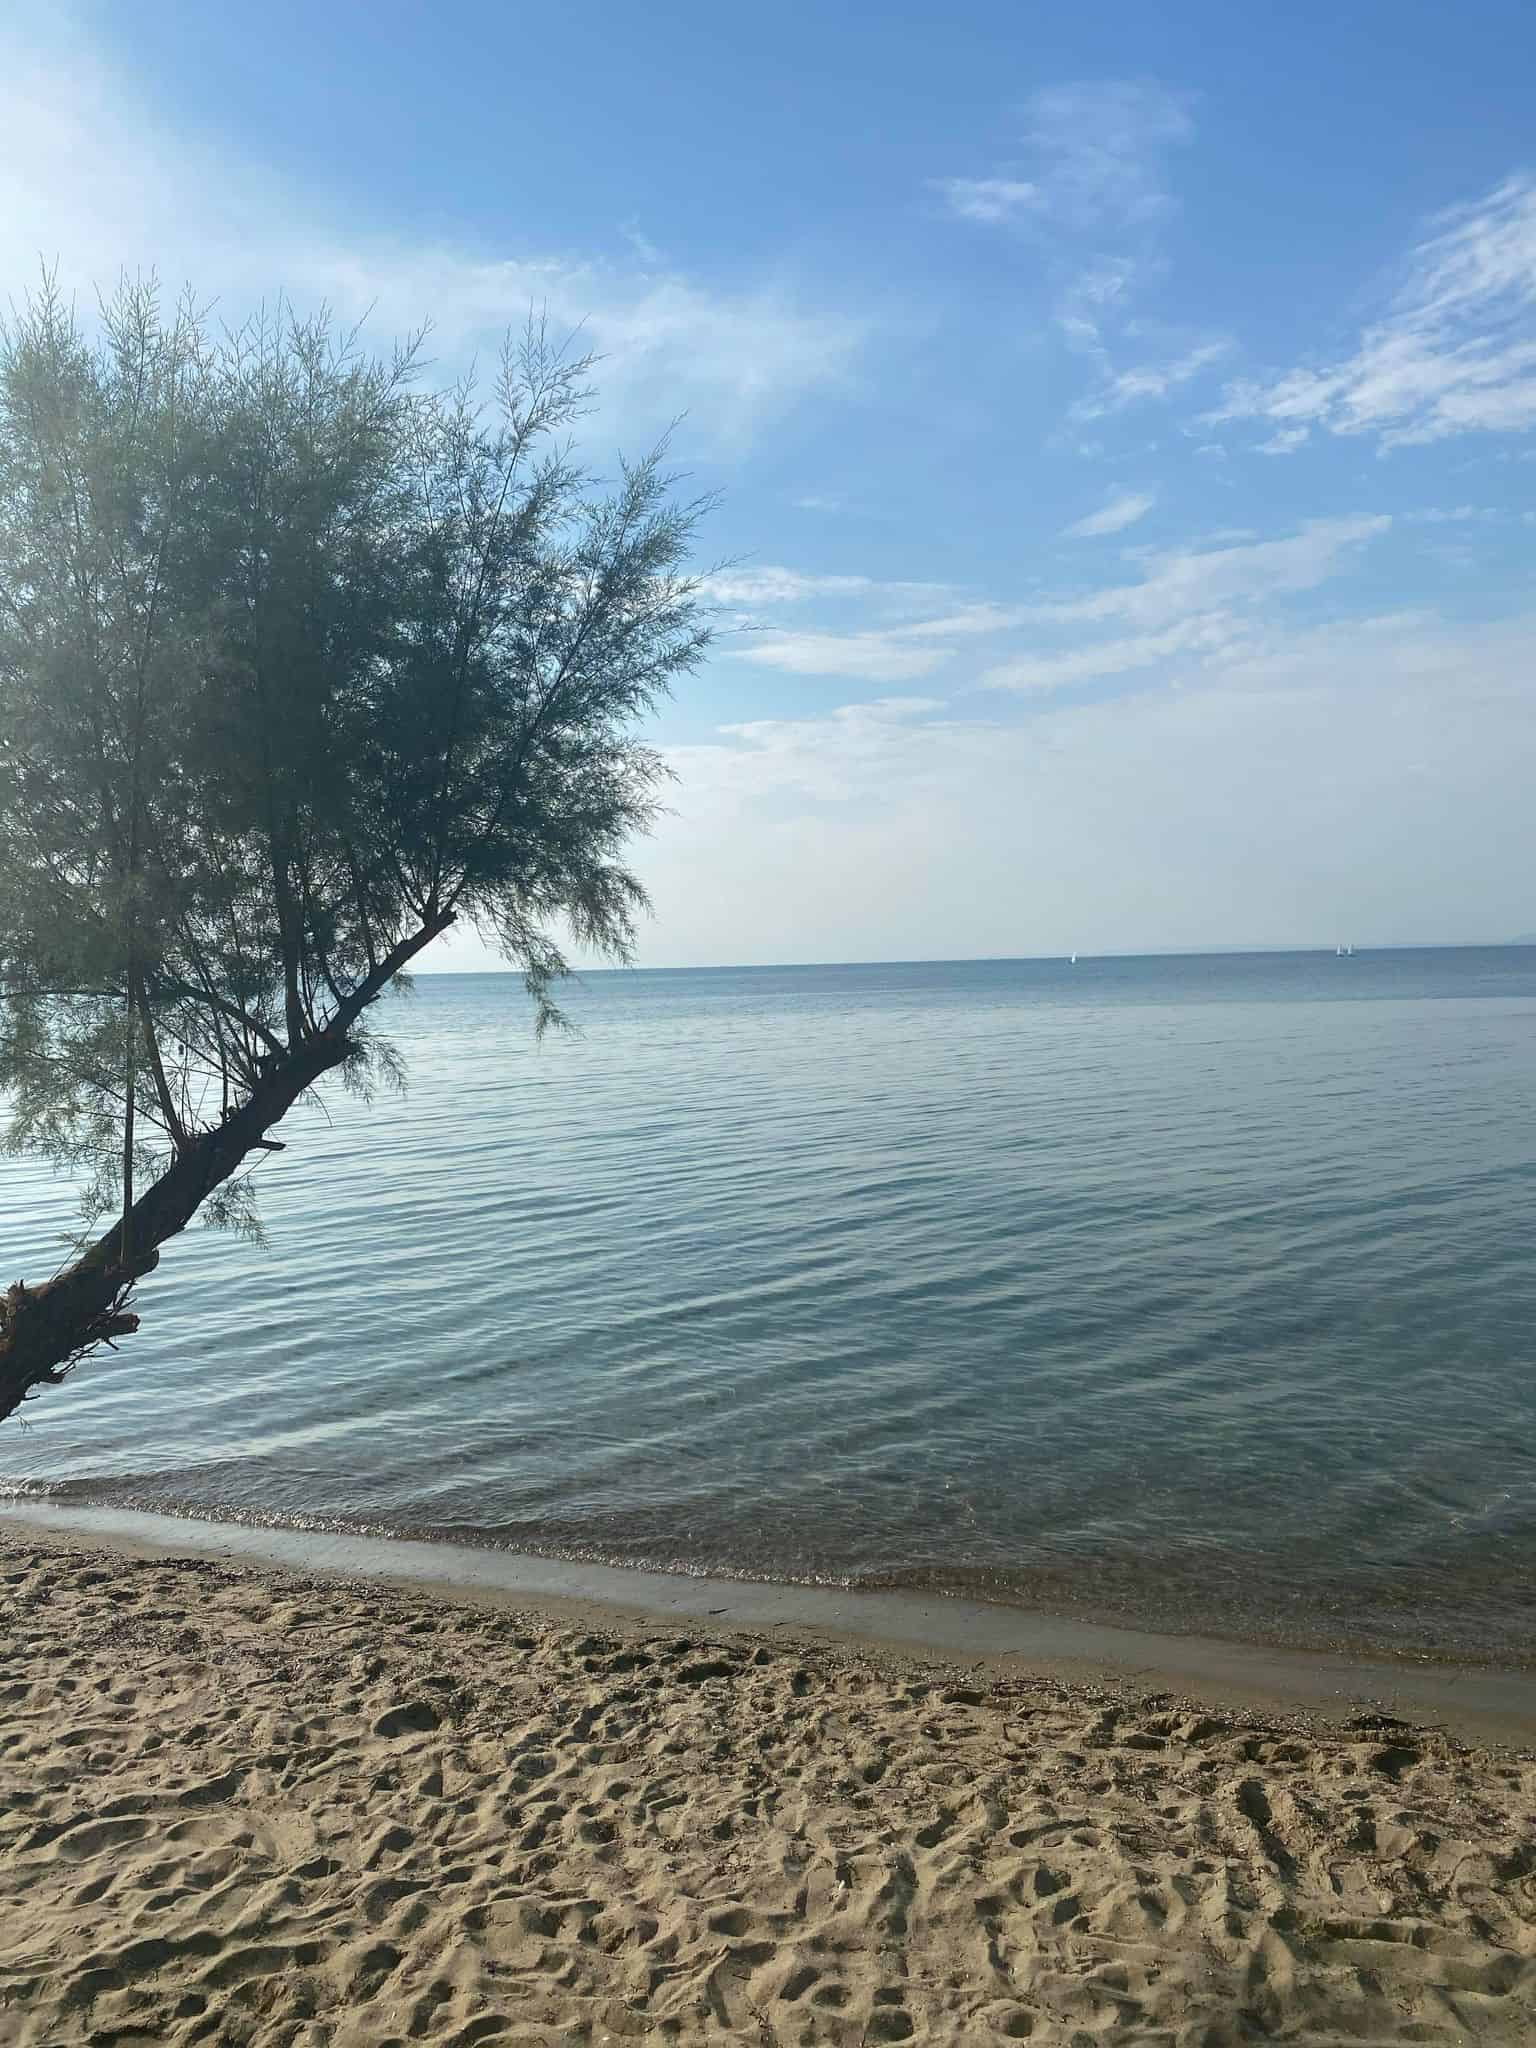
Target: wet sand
<point>1480,1702</point>
<point>246,1804</point>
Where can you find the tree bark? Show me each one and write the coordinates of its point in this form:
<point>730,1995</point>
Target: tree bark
<point>44,1330</point>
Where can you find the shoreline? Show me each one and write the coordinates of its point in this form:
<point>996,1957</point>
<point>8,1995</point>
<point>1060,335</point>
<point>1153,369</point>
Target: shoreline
<point>1483,1621</point>
<point>1476,1702</point>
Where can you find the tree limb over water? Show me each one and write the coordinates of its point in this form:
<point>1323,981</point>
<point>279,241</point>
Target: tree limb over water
<point>300,665</point>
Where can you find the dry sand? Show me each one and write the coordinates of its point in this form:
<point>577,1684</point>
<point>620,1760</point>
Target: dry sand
<point>248,1807</point>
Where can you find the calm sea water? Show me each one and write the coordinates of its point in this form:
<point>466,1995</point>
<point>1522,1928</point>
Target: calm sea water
<point>1199,1289</point>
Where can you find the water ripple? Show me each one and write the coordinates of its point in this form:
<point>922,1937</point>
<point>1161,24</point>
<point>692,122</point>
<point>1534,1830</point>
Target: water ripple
<point>1194,1289</point>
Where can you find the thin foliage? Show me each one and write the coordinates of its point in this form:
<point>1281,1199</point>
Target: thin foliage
<point>301,662</point>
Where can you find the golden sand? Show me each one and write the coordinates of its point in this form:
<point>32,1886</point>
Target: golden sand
<point>239,1806</point>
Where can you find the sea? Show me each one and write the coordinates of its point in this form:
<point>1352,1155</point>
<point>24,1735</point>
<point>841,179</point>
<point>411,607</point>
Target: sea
<point>1199,1291</point>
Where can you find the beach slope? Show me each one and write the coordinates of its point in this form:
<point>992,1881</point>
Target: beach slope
<point>241,1807</point>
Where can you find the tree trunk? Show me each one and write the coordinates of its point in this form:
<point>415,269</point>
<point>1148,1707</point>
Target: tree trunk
<point>44,1330</point>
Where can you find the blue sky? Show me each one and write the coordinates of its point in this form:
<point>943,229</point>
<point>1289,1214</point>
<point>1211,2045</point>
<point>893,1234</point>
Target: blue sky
<point>1125,417</point>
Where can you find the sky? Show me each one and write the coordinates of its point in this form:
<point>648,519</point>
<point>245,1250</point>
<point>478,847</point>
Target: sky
<point>1123,416</point>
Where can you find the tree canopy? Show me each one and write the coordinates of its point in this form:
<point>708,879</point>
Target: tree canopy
<point>301,661</point>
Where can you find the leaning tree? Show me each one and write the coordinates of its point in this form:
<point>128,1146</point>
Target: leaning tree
<point>301,662</point>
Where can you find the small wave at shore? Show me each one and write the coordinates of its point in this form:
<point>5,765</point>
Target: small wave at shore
<point>1480,1613</point>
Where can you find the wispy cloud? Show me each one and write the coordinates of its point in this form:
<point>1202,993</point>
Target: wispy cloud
<point>1095,152</point>
<point>1094,298</point>
<point>1151,380</point>
<point>1188,605</point>
<point>989,199</point>
<point>1121,511</point>
<point>1452,515</point>
<point>781,586</point>
<point>774,585</point>
<point>1203,636</point>
<point>1176,583</point>
<point>860,657</point>
<point>90,177</point>
<point>834,758</point>
<point>1454,352</point>
<point>1092,190</point>
<point>1194,604</point>
<point>647,251</point>
<point>1103,144</point>
<point>1310,774</point>
<point>966,622</point>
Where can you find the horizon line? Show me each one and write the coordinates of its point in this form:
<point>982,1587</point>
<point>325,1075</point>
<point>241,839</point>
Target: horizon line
<point>1014,959</point>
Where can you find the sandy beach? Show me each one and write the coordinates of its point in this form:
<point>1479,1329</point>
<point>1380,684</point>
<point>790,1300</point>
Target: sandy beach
<point>244,1806</point>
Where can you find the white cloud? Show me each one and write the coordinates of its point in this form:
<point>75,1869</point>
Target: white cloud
<point>1188,602</point>
<point>966,623</point>
<point>1121,511</point>
<point>863,657</point>
<point>1189,609</point>
<point>780,586</point>
<point>90,177</point>
<point>1094,298</point>
<point>1096,151</point>
<point>1316,782</point>
<point>1151,380</point>
<point>1390,651</point>
<point>989,199</point>
<point>642,245</point>
<point>838,757</point>
<point>1102,143</point>
<point>1216,634</point>
<point>1094,198</point>
<point>772,585</point>
<point>1454,352</point>
<point>1450,515</point>
<point>1179,582</point>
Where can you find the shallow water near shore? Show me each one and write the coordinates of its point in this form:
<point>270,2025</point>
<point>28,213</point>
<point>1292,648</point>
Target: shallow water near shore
<point>1197,1290</point>
<point>1475,1703</point>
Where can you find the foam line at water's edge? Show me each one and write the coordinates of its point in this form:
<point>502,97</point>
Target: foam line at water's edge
<point>1490,1705</point>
